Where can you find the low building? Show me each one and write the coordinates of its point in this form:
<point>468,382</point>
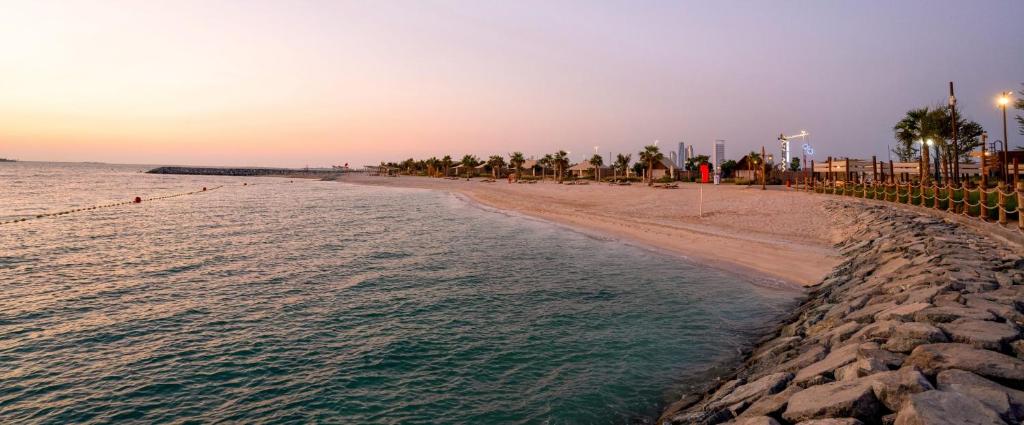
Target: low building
<point>586,169</point>
<point>663,168</point>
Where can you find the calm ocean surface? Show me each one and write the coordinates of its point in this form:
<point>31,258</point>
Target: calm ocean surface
<point>308,301</point>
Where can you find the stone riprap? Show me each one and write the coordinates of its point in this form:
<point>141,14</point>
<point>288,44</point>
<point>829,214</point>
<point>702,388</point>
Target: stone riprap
<point>920,324</point>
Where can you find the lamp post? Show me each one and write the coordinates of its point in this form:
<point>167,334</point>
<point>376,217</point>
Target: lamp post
<point>1004,99</point>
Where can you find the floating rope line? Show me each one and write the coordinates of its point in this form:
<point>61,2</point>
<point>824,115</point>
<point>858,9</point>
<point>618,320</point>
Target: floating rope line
<point>136,200</point>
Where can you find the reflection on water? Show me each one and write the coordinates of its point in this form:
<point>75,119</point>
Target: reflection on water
<point>319,301</point>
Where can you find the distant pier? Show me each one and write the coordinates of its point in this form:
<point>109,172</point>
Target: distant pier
<point>251,171</point>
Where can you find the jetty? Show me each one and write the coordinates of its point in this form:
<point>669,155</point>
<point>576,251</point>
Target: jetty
<point>254,171</point>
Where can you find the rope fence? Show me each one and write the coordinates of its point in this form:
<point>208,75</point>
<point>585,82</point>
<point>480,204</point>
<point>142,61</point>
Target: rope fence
<point>1000,204</point>
<point>111,205</point>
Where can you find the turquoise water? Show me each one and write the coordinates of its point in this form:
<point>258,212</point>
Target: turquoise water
<point>307,301</point>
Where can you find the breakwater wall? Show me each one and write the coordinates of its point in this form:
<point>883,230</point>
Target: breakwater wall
<point>245,171</point>
<point>921,324</point>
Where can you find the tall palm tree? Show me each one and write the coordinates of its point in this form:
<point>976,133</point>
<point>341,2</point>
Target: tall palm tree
<point>446,161</point>
<point>597,162</point>
<point>622,163</point>
<point>516,160</point>
<point>753,158</point>
<point>468,161</point>
<point>546,162</point>
<point>561,160</point>
<point>649,155</point>
<point>496,162</point>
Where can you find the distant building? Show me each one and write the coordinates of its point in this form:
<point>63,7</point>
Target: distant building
<point>681,161</point>
<point>719,153</point>
<point>689,154</point>
<point>672,156</point>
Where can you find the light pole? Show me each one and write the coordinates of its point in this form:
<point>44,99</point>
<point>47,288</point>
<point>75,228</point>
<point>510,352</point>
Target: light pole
<point>1004,99</point>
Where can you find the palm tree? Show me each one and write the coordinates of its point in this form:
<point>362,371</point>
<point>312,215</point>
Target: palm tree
<point>515,159</point>
<point>447,163</point>
<point>597,162</point>
<point>546,162</point>
<point>622,163</point>
<point>496,162</point>
<point>753,158</point>
<point>468,161</point>
<point>431,165</point>
<point>561,161</point>
<point>650,154</point>
<point>909,130</point>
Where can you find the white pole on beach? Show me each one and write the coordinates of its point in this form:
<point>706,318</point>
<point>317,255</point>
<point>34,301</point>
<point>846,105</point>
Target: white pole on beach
<point>700,205</point>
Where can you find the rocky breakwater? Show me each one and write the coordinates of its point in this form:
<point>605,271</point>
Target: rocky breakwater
<point>921,324</point>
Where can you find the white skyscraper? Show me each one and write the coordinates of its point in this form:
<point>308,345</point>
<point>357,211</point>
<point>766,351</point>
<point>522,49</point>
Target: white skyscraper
<point>719,153</point>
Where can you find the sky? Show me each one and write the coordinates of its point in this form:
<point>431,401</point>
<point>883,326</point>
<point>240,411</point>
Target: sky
<point>297,83</point>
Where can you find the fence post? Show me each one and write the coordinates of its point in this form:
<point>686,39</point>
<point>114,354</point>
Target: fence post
<point>892,174</point>
<point>874,168</point>
<point>1002,202</point>
<point>949,194</point>
<point>935,195</point>
<point>964,198</point>
<point>982,204</point>
<point>1016,174</point>
<point>1018,188</point>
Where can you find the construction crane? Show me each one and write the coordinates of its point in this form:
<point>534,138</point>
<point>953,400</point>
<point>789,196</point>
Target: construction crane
<point>784,147</point>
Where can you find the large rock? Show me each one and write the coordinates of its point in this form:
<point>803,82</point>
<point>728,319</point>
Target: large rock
<point>753,391</point>
<point>945,314</point>
<point>771,405</point>
<point>832,421</point>
<point>867,314</point>
<point>836,359</point>
<point>902,313</point>
<point>907,336</point>
<point>755,420</point>
<point>808,357</point>
<point>1008,402</point>
<point>931,359</point>
<point>893,388</point>
<point>942,408</point>
<point>878,331</point>
<point>980,333</point>
<point>854,399</point>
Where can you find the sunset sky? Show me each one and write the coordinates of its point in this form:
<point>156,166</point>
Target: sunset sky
<point>327,82</point>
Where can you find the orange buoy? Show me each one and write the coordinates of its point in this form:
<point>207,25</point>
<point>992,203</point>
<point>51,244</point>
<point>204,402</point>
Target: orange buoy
<point>137,200</point>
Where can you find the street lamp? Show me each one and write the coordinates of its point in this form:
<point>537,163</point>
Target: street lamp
<point>1004,99</point>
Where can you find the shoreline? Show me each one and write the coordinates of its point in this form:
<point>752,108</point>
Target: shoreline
<point>769,257</point>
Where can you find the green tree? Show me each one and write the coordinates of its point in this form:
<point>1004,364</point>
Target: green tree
<point>649,155</point>
<point>794,164</point>
<point>469,161</point>
<point>622,163</point>
<point>694,163</point>
<point>753,159</point>
<point>597,162</point>
<point>496,162</point>
<point>561,161</point>
<point>446,162</point>
<point>638,168</point>
<point>728,167</point>
<point>516,160</point>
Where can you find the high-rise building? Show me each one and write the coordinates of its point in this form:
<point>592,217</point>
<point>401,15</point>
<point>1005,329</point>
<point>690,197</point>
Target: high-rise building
<point>682,156</point>
<point>719,153</point>
<point>673,157</point>
<point>689,152</point>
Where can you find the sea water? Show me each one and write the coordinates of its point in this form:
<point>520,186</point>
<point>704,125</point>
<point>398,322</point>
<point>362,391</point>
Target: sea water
<point>271,300</point>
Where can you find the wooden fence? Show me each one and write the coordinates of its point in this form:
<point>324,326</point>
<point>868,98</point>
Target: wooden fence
<point>1000,204</point>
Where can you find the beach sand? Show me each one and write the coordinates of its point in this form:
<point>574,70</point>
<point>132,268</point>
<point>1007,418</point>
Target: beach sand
<point>781,235</point>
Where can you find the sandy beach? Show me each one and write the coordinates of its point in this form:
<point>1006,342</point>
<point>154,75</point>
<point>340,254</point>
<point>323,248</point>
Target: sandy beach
<point>780,234</point>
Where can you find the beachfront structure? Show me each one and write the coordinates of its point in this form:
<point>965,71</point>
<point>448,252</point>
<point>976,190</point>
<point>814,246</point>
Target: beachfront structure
<point>663,168</point>
<point>531,166</point>
<point>719,154</point>
<point>586,169</point>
